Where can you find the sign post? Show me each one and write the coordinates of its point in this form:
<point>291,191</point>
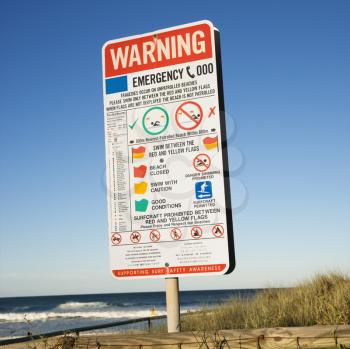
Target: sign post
<point>168,189</point>
<point>173,304</point>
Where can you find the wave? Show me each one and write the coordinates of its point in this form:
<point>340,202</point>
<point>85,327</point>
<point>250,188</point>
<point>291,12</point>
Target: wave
<point>79,305</point>
<point>43,316</point>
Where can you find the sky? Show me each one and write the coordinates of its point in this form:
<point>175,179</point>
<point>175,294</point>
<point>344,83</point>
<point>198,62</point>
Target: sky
<point>287,87</point>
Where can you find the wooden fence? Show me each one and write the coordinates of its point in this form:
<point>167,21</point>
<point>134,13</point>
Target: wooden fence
<point>269,338</point>
<point>313,337</point>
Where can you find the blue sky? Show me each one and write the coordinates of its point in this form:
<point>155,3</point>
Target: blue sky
<point>287,87</point>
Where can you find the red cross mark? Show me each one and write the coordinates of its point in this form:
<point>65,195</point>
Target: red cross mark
<point>212,111</point>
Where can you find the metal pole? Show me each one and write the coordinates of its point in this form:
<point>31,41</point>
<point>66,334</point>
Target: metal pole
<point>172,304</point>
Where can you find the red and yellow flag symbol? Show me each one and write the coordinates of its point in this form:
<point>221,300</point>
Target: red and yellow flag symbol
<point>210,142</point>
<point>138,153</point>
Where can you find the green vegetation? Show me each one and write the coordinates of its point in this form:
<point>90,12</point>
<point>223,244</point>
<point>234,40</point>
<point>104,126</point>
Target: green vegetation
<point>325,300</point>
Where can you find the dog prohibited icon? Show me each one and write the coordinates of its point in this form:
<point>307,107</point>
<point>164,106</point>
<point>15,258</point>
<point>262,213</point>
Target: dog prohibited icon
<point>175,234</point>
<point>155,120</point>
<point>154,235</point>
<point>135,237</point>
<point>189,115</point>
<point>116,238</point>
<point>196,232</point>
<point>201,162</point>
<point>218,230</point>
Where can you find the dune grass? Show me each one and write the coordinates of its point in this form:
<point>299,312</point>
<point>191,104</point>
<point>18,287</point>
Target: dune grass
<point>324,300</point>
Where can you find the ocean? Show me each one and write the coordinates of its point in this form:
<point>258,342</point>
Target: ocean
<point>36,315</point>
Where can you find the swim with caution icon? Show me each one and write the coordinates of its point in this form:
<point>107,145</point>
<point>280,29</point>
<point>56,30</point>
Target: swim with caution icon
<point>140,188</point>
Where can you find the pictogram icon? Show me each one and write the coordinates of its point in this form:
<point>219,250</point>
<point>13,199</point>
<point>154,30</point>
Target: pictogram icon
<point>140,172</point>
<point>116,238</point>
<point>138,153</point>
<point>155,120</point>
<point>140,188</point>
<point>211,142</point>
<point>135,237</point>
<point>201,162</point>
<point>218,230</point>
<point>196,232</point>
<point>188,115</point>
<point>175,234</point>
<point>141,205</point>
<point>154,235</point>
<point>203,190</point>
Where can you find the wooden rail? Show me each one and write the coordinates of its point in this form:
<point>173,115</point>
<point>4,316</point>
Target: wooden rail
<point>78,330</point>
<point>268,338</point>
<point>312,337</point>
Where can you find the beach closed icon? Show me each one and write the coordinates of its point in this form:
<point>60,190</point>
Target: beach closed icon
<point>140,171</point>
<point>141,205</point>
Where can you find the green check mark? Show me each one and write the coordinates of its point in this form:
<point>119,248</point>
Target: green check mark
<point>133,125</point>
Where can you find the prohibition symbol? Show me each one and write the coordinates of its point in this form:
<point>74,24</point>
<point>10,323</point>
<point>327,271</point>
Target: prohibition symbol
<point>155,120</point>
<point>175,234</point>
<point>135,237</point>
<point>196,232</point>
<point>116,239</point>
<point>188,115</point>
<point>218,230</point>
<point>154,235</point>
<point>201,162</point>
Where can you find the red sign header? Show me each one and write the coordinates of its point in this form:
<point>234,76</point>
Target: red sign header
<point>159,50</point>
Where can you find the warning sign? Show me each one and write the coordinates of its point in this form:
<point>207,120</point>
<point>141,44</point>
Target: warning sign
<point>169,205</point>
